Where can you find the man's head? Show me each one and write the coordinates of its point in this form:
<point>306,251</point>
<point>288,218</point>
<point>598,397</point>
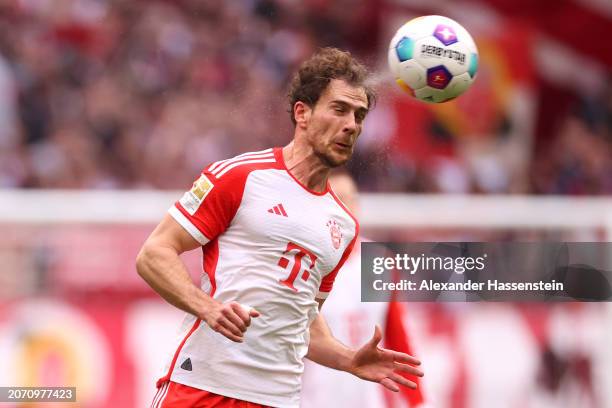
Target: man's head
<point>329,100</point>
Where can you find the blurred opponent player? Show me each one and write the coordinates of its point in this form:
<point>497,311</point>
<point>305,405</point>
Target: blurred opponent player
<point>274,237</point>
<point>351,320</point>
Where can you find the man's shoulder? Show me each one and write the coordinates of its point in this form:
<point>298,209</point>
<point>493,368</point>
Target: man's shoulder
<point>238,167</point>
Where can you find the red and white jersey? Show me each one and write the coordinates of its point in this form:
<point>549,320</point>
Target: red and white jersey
<point>269,243</point>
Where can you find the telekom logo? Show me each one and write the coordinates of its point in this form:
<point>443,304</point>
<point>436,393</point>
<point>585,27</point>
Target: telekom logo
<point>298,254</point>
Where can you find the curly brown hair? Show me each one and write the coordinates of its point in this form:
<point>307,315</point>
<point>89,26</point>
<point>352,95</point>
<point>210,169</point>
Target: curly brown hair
<point>314,75</point>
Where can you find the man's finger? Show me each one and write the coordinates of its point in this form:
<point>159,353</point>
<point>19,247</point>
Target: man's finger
<point>401,380</point>
<point>231,315</point>
<point>229,325</point>
<point>242,313</point>
<point>406,368</point>
<point>389,384</point>
<point>404,358</point>
<point>237,321</point>
<point>225,332</point>
<point>250,312</point>
<point>377,337</point>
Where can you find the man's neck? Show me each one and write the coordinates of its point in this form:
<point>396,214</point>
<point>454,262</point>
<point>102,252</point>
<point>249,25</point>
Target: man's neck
<point>305,166</point>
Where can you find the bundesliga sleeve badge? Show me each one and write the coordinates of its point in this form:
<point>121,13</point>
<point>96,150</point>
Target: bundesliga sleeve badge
<point>193,198</point>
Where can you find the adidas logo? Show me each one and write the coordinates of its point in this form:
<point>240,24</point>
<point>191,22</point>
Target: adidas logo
<point>278,210</point>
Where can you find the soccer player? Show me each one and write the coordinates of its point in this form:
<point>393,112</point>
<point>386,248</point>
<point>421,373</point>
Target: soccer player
<point>274,237</point>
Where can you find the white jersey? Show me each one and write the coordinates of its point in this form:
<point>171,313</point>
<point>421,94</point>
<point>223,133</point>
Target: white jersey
<point>270,243</point>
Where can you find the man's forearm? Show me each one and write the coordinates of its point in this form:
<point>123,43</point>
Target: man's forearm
<point>325,349</point>
<point>162,268</point>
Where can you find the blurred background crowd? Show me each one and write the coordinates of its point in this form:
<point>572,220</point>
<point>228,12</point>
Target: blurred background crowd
<point>130,94</point>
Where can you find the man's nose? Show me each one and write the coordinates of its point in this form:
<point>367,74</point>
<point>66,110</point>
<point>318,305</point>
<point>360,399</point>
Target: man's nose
<point>350,125</point>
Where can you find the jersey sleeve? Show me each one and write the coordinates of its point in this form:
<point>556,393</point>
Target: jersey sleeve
<point>327,282</point>
<point>207,209</point>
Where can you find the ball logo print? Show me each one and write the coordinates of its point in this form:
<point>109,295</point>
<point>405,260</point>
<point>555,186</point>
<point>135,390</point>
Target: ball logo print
<point>404,49</point>
<point>445,34</point>
<point>433,58</point>
<point>438,77</point>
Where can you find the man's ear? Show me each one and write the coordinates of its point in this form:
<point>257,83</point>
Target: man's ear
<point>301,114</point>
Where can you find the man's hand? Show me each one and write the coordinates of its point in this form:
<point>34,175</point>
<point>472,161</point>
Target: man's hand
<point>380,365</point>
<point>370,362</point>
<point>229,319</point>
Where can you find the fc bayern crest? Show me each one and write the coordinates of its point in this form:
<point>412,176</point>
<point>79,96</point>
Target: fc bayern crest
<point>335,233</point>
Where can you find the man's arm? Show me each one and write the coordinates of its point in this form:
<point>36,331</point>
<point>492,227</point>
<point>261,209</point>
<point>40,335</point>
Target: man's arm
<point>369,362</point>
<point>159,264</point>
<point>325,349</point>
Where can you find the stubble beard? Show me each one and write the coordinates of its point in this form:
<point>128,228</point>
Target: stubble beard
<point>328,159</point>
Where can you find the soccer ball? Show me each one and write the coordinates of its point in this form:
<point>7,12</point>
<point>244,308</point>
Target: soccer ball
<point>433,58</point>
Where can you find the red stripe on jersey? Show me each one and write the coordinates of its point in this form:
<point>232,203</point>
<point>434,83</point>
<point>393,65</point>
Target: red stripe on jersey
<point>165,378</point>
<point>282,210</point>
<point>276,210</point>
<point>211,257</point>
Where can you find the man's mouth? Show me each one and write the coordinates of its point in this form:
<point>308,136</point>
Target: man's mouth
<point>343,145</point>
